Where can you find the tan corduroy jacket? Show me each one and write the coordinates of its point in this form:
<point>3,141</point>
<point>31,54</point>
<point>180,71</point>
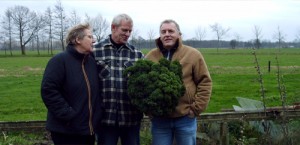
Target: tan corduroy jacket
<point>196,78</point>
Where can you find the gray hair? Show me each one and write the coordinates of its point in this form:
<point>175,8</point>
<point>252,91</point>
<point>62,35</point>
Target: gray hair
<point>117,19</point>
<point>76,32</point>
<point>167,21</point>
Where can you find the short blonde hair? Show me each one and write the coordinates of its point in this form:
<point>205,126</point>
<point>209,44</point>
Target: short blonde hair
<point>76,32</point>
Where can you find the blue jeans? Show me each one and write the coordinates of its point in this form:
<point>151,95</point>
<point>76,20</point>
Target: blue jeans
<point>109,135</point>
<point>182,129</point>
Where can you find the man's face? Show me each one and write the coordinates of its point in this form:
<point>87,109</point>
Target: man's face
<point>169,35</point>
<point>121,34</point>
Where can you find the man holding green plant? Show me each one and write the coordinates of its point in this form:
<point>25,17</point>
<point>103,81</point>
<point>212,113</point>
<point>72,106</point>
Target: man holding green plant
<point>181,124</point>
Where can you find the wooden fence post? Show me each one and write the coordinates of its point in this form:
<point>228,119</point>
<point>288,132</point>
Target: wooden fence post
<point>224,136</point>
<point>269,66</point>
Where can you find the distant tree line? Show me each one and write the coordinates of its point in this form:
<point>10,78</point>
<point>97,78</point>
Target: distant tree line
<point>24,29</point>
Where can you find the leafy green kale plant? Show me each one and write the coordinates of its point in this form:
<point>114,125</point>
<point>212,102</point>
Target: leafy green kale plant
<point>155,88</point>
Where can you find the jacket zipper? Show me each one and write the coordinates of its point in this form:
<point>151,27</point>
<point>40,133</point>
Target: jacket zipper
<point>89,95</point>
<point>168,57</point>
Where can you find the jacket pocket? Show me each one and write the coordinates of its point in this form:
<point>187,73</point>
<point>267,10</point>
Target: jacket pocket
<point>190,96</point>
<point>103,68</point>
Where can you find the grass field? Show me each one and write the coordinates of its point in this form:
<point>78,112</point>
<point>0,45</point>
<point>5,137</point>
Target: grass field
<point>233,73</point>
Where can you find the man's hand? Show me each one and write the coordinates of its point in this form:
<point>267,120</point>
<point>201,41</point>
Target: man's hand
<point>191,113</point>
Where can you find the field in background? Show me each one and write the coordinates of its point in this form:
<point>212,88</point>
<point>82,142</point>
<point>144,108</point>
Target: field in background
<point>233,73</point>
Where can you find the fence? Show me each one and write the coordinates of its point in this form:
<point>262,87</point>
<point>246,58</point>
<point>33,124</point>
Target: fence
<point>222,118</point>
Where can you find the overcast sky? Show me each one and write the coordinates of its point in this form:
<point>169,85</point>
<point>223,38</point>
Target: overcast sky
<point>238,15</point>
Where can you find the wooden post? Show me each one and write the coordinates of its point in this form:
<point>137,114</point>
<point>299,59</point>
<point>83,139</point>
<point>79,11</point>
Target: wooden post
<point>224,134</point>
<point>269,66</point>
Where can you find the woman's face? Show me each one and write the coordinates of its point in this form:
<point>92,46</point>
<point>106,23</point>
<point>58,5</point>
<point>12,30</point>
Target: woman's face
<point>85,45</point>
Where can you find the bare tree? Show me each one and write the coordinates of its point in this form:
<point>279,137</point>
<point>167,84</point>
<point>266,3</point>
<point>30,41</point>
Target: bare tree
<point>233,43</point>
<point>279,37</point>
<point>200,33</point>
<point>87,18</point>
<point>220,32</point>
<point>74,18</point>
<point>151,35</point>
<point>100,26</point>
<point>24,21</point>
<point>40,23</point>
<point>60,23</point>
<point>134,37</point>
<point>257,33</point>
<point>7,27</point>
<point>49,26</point>
<point>238,38</point>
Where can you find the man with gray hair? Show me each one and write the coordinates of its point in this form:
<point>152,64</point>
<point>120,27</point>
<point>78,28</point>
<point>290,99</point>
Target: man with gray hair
<point>181,124</point>
<point>113,55</point>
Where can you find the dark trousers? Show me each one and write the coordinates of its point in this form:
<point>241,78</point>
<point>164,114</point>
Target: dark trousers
<point>71,139</point>
<point>110,135</point>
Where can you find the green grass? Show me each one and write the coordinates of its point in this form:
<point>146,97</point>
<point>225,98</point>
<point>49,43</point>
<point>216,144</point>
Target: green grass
<point>20,79</point>
<point>233,73</point>
<point>23,138</point>
<point>17,53</point>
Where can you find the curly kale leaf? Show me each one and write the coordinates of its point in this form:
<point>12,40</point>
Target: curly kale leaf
<point>155,88</point>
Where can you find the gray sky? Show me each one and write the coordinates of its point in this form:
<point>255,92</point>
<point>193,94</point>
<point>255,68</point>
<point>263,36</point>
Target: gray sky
<point>238,15</point>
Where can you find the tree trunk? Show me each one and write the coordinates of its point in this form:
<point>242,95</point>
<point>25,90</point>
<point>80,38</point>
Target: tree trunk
<point>23,49</point>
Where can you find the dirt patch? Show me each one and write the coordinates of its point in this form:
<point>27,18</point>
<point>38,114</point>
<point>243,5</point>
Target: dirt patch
<point>28,68</point>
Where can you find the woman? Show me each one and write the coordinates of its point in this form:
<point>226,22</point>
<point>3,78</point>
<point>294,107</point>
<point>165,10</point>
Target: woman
<point>70,90</point>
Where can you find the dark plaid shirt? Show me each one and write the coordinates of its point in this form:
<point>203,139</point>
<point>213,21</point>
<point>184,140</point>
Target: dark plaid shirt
<point>112,61</point>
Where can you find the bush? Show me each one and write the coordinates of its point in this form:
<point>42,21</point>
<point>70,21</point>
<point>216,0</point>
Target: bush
<point>155,88</point>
